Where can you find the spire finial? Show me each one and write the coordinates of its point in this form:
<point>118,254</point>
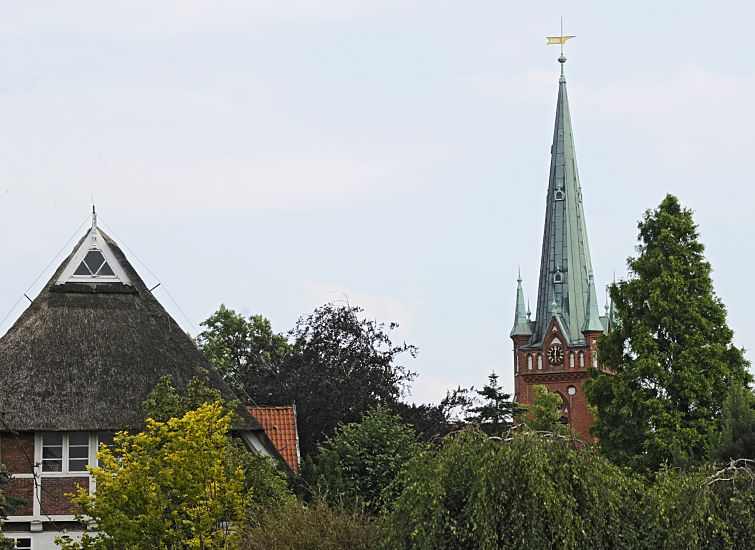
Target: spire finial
<point>560,40</point>
<point>519,276</point>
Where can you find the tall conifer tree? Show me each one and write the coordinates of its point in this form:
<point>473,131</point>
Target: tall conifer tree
<point>670,347</point>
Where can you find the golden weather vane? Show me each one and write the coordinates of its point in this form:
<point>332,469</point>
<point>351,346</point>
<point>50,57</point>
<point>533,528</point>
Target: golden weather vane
<point>560,39</point>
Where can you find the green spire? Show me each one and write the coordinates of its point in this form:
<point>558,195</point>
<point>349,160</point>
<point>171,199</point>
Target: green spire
<point>565,261</point>
<point>521,317</point>
<point>592,321</point>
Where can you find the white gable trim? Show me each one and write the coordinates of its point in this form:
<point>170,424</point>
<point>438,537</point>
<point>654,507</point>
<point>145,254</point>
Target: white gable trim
<point>93,241</point>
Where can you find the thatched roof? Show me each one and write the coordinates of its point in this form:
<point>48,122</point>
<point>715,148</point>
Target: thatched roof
<point>85,355</point>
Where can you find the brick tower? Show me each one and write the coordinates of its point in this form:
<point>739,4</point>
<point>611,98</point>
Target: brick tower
<point>557,348</point>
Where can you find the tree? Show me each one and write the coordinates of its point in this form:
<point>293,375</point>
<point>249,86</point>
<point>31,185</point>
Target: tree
<point>431,420</point>
<point>544,414</point>
<point>704,508</point>
<point>737,436</point>
<point>670,349</point>
<point>265,483</point>
<point>5,543</point>
<point>361,459</point>
<point>164,402</point>
<point>169,486</point>
<point>497,410</point>
<point>333,364</point>
<point>246,352</point>
<point>526,491</point>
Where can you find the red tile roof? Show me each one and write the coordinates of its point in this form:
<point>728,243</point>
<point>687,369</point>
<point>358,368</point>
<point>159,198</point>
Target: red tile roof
<point>280,426</point>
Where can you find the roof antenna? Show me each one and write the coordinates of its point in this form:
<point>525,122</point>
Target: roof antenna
<point>94,225</point>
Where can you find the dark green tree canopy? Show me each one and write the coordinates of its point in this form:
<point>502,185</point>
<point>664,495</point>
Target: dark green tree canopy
<point>334,365</point>
<point>360,461</point>
<point>671,350</point>
<point>497,408</point>
<point>737,436</point>
<point>525,491</point>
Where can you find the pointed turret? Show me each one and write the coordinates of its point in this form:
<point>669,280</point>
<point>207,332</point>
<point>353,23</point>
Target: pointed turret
<point>521,318</point>
<point>592,321</point>
<point>565,260</point>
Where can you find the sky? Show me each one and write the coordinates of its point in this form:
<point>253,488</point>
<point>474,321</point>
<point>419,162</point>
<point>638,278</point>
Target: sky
<point>274,155</point>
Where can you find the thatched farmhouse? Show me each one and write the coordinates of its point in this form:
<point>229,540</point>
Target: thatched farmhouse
<point>75,368</point>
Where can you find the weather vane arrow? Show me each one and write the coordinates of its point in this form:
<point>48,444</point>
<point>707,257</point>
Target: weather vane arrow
<point>561,39</point>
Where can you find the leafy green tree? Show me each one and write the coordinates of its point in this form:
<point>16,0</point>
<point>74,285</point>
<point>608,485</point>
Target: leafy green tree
<point>246,352</point>
<point>264,480</point>
<point>361,459</point>
<point>312,526</point>
<point>5,543</point>
<point>702,508</point>
<point>671,351</point>
<point>333,364</point>
<point>524,492</point>
<point>165,402</point>
<point>544,415</point>
<point>737,436</point>
<point>497,410</point>
<point>169,486</point>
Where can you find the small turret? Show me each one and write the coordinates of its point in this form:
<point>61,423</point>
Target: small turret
<point>521,318</point>
<point>592,317</point>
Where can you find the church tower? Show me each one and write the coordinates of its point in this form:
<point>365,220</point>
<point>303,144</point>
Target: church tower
<point>556,349</point>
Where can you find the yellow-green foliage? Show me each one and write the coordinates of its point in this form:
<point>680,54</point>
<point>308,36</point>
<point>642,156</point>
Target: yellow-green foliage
<point>170,486</point>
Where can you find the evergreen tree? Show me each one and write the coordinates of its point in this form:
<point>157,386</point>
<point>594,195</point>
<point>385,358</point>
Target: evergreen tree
<point>671,350</point>
<point>737,436</point>
<point>497,409</point>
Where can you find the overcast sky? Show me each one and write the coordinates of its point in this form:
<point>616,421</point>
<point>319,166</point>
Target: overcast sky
<point>275,155</point>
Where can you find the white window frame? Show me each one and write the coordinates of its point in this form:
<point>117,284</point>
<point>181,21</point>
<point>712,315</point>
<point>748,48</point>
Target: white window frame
<point>65,471</point>
<point>15,539</point>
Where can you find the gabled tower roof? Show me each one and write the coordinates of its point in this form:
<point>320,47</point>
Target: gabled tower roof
<point>565,262</point>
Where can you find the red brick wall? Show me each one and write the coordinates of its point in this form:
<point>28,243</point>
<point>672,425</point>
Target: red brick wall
<point>17,452</point>
<point>557,378</point>
<point>23,489</point>
<point>54,490</point>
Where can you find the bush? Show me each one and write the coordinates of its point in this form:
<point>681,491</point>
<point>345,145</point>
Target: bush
<point>315,526</point>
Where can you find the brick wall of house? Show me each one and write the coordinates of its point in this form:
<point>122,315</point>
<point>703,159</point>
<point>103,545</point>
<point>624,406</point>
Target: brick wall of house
<point>22,489</point>
<point>17,452</point>
<point>54,489</point>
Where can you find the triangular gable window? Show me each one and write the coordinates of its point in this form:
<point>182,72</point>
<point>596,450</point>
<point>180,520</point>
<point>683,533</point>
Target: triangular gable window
<point>94,262</point>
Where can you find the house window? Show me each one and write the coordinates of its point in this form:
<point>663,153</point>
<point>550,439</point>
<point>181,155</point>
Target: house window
<point>581,359</point>
<point>22,544</point>
<point>571,360</point>
<point>65,452</point>
<point>539,361</point>
<point>529,362</point>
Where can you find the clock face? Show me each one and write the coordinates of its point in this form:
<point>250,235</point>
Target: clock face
<point>555,354</point>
